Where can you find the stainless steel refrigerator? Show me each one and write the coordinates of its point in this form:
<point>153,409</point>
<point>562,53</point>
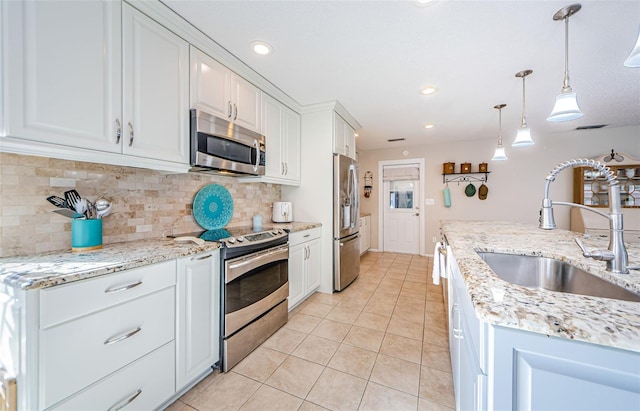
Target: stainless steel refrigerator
<point>346,222</point>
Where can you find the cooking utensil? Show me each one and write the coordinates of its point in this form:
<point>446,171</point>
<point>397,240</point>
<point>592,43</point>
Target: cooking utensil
<point>68,213</point>
<point>57,201</point>
<point>103,207</point>
<point>103,213</point>
<point>72,198</point>
<point>81,206</point>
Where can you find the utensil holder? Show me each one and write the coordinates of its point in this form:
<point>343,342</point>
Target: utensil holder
<point>86,235</point>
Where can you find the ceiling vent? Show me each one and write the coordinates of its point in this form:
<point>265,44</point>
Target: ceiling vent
<point>591,127</point>
<point>395,139</point>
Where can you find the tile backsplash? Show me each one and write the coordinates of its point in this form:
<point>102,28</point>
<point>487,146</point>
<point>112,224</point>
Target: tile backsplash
<point>146,203</point>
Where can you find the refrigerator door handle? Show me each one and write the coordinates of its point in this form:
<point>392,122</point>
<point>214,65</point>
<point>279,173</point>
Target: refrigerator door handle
<point>353,194</point>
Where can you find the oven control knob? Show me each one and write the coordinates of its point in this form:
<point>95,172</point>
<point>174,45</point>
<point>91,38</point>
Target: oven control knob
<point>231,240</point>
<point>240,239</point>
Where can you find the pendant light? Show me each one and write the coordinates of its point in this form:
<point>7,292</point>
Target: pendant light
<point>499,154</point>
<point>634,58</point>
<point>566,106</point>
<point>523,138</point>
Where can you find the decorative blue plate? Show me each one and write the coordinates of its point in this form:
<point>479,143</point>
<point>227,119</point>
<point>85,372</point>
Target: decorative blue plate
<point>212,207</point>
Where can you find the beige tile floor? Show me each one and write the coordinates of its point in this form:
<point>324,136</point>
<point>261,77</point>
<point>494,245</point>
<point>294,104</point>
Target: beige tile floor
<point>381,344</point>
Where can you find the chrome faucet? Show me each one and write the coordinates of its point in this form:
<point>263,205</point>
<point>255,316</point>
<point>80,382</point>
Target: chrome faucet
<point>616,255</point>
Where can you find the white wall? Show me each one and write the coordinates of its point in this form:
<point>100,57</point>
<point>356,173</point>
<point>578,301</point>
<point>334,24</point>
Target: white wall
<point>515,186</point>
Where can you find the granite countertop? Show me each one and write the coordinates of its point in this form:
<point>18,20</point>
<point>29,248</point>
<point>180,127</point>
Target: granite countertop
<point>603,321</point>
<point>296,226</point>
<point>51,269</point>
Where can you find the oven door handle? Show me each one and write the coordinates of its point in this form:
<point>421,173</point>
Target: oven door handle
<point>235,269</point>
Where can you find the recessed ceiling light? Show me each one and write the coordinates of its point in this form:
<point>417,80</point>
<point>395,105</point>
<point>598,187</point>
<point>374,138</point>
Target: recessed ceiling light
<point>429,125</point>
<point>262,48</point>
<point>423,3</point>
<point>427,90</point>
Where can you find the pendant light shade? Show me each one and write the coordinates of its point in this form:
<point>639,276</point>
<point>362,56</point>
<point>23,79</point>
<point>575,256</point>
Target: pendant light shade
<point>499,153</point>
<point>566,106</point>
<point>634,58</point>
<point>523,138</point>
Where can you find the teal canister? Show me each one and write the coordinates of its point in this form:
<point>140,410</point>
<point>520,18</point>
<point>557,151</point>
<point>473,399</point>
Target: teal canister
<point>86,235</point>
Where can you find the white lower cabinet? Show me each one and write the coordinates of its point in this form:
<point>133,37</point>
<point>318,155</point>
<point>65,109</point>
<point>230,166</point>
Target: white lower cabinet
<point>137,386</point>
<point>304,265</point>
<point>197,316</point>
<point>134,339</point>
<point>365,234</point>
<point>499,368</point>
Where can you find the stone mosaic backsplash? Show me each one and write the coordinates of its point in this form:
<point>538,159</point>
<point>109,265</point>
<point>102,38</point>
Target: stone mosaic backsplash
<point>146,203</point>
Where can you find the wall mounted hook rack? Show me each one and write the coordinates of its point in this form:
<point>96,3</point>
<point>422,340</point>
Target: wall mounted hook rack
<point>465,177</point>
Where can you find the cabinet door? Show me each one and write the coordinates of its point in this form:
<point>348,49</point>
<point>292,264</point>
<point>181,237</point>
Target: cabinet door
<point>313,266</point>
<point>272,129</point>
<point>246,103</point>
<point>349,141</point>
<point>198,316</point>
<point>64,64</point>
<point>156,90</point>
<point>338,135</point>
<point>210,85</point>
<point>297,260</point>
<point>291,144</point>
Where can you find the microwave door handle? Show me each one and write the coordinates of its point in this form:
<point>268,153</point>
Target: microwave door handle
<point>257,147</point>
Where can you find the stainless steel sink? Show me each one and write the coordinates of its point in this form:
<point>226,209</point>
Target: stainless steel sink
<point>555,275</point>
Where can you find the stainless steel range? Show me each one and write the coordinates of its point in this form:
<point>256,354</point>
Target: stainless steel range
<point>255,287</point>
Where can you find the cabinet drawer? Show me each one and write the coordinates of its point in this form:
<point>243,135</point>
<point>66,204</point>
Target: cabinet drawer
<point>300,237</point>
<point>77,353</point>
<point>146,383</point>
<point>65,302</point>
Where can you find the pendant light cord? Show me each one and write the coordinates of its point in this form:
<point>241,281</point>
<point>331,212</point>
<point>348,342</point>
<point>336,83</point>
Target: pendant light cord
<point>565,84</point>
<point>523,123</point>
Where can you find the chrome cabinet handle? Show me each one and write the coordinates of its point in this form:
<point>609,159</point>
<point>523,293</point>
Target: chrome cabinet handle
<point>235,107</point>
<point>130,134</point>
<point>229,109</point>
<point>204,257</point>
<point>118,131</point>
<point>123,288</point>
<point>286,169</point>
<point>126,402</point>
<point>124,336</point>
<point>307,235</point>
<point>457,332</point>
<point>282,168</point>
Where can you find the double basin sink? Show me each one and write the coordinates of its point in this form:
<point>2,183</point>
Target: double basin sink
<point>555,275</point>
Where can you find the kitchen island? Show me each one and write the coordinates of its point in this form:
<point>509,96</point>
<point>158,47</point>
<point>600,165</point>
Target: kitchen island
<point>514,347</point>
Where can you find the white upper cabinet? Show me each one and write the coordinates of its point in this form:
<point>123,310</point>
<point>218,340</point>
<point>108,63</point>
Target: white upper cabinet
<point>217,90</point>
<point>92,81</point>
<point>64,65</point>
<point>281,128</point>
<point>156,90</point>
<point>344,138</point>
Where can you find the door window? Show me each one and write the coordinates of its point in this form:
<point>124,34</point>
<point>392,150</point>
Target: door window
<point>401,194</point>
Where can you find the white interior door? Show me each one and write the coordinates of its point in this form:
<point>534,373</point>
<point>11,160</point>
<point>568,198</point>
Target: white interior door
<point>402,216</point>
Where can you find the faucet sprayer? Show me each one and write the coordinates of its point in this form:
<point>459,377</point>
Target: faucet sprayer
<point>616,256</point>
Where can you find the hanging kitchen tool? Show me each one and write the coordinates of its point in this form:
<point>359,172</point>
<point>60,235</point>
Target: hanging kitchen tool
<point>470,190</point>
<point>72,197</point>
<point>447,196</point>
<point>483,191</point>
<point>57,201</point>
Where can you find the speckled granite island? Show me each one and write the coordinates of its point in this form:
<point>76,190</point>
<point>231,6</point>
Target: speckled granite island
<point>538,349</point>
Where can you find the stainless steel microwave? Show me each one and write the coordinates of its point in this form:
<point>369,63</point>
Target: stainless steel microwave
<point>220,146</point>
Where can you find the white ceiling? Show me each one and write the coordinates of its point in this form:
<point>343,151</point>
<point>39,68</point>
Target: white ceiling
<point>374,56</point>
